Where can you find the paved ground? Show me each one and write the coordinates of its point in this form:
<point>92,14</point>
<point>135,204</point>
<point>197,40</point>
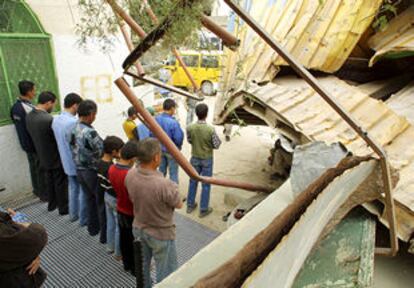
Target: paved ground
<point>72,258</point>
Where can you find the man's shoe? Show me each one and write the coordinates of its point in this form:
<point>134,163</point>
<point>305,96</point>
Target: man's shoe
<point>205,213</point>
<point>191,208</point>
<point>51,208</point>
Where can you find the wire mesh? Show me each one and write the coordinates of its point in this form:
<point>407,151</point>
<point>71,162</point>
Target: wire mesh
<point>15,18</point>
<point>25,53</point>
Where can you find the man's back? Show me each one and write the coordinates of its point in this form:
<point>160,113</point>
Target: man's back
<point>201,137</point>
<point>116,175</point>
<point>129,126</point>
<point>18,115</point>
<point>171,126</point>
<point>62,126</point>
<point>104,185</point>
<point>39,126</point>
<point>86,146</point>
<point>154,199</point>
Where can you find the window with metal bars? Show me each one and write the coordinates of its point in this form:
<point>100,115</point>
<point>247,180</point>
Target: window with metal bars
<point>25,54</point>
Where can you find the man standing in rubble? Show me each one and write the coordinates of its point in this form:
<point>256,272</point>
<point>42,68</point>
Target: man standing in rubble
<point>203,139</point>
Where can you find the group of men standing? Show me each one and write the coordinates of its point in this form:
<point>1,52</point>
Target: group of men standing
<point>64,154</point>
<point>202,138</point>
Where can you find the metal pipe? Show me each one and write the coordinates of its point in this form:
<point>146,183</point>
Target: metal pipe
<point>229,40</point>
<point>173,150</point>
<point>128,19</point>
<point>186,71</point>
<point>313,82</point>
<point>158,83</point>
<point>150,13</point>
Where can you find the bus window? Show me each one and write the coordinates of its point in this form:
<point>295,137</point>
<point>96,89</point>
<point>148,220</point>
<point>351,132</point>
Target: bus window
<point>209,62</point>
<point>190,60</point>
<point>171,60</point>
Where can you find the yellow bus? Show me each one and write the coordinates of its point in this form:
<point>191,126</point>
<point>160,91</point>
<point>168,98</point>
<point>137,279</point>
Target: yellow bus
<point>204,66</point>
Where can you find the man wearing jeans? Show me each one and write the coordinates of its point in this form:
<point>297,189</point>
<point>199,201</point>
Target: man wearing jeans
<point>203,140</point>
<point>171,126</point>
<point>62,126</point>
<point>87,148</point>
<point>154,199</point>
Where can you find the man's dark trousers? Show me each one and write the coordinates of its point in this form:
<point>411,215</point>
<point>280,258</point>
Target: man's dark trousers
<point>38,180</point>
<point>88,179</point>
<point>126,241</point>
<point>57,190</point>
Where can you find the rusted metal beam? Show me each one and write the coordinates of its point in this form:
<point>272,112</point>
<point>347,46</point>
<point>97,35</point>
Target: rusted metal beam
<point>313,82</point>
<point>173,150</point>
<point>158,83</point>
<point>229,40</point>
<point>127,18</point>
<point>150,13</point>
<point>235,271</point>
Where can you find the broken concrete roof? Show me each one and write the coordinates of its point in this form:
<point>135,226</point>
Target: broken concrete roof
<point>299,112</point>
<point>304,28</point>
<point>397,40</point>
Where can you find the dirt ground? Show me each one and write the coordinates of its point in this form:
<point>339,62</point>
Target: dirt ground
<point>244,158</point>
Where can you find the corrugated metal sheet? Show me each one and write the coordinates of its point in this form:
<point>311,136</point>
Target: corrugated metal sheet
<point>319,34</point>
<point>403,102</point>
<point>295,109</point>
<point>397,40</point>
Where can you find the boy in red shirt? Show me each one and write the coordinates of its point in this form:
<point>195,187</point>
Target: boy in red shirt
<point>117,174</point>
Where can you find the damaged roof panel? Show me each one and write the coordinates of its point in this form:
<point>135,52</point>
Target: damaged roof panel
<point>403,102</point>
<point>306,29</point>
<point>397,40</point>
<point>298,109</point>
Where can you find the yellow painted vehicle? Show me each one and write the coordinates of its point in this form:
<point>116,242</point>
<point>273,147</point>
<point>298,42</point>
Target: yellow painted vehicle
<point>204,66</point>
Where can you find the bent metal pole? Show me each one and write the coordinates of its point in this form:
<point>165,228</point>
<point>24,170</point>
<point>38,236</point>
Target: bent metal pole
<point>311,80</point>
<point>173,150</point>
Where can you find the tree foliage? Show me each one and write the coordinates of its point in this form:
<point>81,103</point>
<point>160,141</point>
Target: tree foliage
<point>98,24</point>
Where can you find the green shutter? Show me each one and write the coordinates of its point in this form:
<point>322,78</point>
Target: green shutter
<point>4,97</point>
<point>25,54</point>
<point>16,18</point>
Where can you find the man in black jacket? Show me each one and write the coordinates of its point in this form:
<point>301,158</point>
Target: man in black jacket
<point>18,112</point>
<point>39,126</point>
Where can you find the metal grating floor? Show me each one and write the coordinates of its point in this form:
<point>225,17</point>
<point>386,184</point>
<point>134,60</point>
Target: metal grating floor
<point>72,258</point>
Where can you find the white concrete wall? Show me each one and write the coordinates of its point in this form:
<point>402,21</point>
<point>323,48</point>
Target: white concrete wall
<point>14,168</point>
<point>74,67</point>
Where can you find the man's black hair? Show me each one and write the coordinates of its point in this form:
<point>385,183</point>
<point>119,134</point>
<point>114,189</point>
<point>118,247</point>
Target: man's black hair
<point>201,111</point>
<point>130,150</point>
<point>168,104</point>
<point>45,97</point>
<point>131,111</point>
<point>112,143</point>
<point>71,99</point>
<point>87,107</point>
<point>25,87</point>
